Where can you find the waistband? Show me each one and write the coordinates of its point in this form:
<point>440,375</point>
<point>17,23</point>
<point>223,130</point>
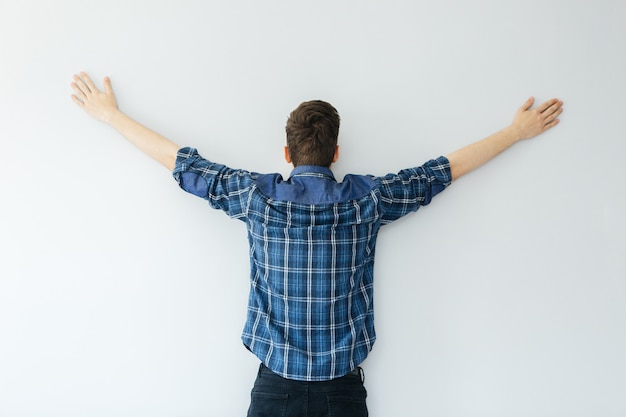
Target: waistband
<point>357,372</point>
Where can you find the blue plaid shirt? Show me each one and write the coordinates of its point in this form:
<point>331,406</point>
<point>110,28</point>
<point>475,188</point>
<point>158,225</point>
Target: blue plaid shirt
<point>312,243</point>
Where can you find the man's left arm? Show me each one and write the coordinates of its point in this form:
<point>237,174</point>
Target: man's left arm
<point>102,105</point>
<point>527,124</point>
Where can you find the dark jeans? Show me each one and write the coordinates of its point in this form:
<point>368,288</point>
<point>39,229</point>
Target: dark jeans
<point>275,396</point>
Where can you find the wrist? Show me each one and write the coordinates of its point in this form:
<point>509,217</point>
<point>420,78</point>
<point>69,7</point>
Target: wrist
<point>113,117</point>
<point>514,133</point>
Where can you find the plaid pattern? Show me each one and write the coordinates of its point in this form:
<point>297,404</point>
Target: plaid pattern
<point>312,243</point>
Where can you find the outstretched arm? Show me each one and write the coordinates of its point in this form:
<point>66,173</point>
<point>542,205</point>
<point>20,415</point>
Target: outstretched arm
<point>527,124</point>
<point>102,106</point>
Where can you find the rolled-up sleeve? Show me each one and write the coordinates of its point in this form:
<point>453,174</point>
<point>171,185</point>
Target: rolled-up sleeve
<point>224,188</point>
<point>412,188</point>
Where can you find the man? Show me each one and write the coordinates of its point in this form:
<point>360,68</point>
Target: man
<point>312,243</point>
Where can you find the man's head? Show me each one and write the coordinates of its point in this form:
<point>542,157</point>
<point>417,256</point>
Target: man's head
<point>312,131</point>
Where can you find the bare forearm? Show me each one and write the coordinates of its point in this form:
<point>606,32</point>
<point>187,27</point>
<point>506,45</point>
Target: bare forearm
<point>526,124</point>
<point>146,140</point>
<point>473,156</point>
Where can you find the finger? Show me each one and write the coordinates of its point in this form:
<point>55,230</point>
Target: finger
<point>552,116</point>
<point>545,106</point>
<point>553,111</point>
<point>528,104</point>
<point>81,85</point>
<point>87,80</point>
<point>77,101</point>
<point>107,86</point>
<point>78,91</point>
<point>551,124</point>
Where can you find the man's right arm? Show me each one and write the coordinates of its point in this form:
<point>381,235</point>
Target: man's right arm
<point>102,106</point>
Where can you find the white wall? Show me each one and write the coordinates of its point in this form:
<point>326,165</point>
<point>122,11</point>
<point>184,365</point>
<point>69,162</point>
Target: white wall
<point>121,295</point>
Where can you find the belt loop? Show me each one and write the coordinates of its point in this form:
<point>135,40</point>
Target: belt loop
<point>362,375</point>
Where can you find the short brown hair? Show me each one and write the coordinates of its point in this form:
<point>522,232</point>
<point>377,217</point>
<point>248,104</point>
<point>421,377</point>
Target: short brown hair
<point>312,132</point>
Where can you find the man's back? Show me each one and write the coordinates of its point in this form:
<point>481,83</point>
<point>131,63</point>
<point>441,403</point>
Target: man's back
<point>312,244</point>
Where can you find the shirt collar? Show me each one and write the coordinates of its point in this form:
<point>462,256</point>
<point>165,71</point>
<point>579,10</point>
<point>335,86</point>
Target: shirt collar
<point>312,170</point>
